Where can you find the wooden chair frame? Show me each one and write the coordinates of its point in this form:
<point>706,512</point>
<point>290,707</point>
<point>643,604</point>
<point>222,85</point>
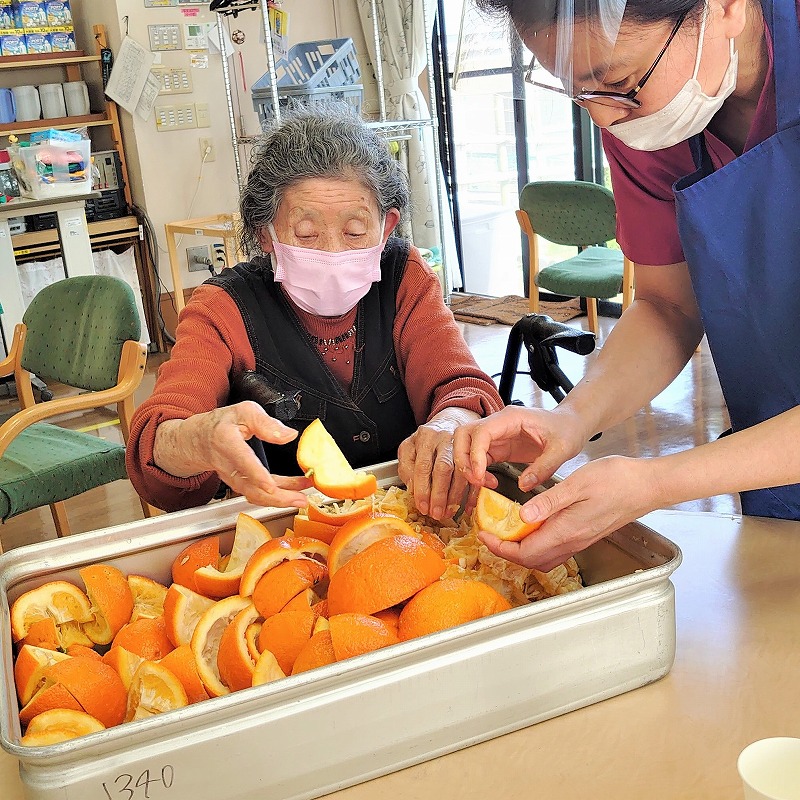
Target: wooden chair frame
<point>591,302</point>
<point>133,360</point>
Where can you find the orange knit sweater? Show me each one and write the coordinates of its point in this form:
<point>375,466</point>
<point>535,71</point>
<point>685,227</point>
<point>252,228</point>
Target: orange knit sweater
<point>211,344</point>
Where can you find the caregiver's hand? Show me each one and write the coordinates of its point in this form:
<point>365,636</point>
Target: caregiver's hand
<point>594,501</point>
<point>217,440</point>
<point>542,439</point>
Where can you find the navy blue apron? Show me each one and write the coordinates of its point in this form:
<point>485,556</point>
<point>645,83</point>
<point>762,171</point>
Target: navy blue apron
<point>740,231</point>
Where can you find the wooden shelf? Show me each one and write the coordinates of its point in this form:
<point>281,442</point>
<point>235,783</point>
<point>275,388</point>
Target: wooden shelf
<point>106,231</point>
<point>60,123</point>
<point>46,60</point>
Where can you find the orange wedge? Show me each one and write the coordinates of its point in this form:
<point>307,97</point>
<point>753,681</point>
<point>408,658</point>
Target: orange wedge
<point>384,574</point>
<point>302,600</point>
<point>59,725</point>
<point>148,597</point>
<point>499,515</point>
<point>218,582</point>
<point>234,661</point>
<point>146,638</point>
<point>94,684</point>
<point>60,600</point>
<point>154,690</point>
<point>285,634</point>
<point>276,551</point>
<point>355,634</point>
<point>321,459</point>
<point>207,637</point>
<point>360,533</point>
<point>337,513</point>
<point>124,663</point>
<point>182,609</point>
<point>251,633</point>
<point>48,698</point>
<point>391,616</point>
<point>202,553</point>
<point>42,633</point>
<point>317,652</point>
<point>267,669</point>
<point>279,585</point>
<point>28,669</point>
<point>447,603</point>
<point>181,663</point>
<point>303,526</point>
<point>111,598</point>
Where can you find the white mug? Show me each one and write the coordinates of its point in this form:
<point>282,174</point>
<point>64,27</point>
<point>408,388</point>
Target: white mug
<point>52,97</point>
<point>76,97</point>
<point>26,99</point>
<point>770,769</point>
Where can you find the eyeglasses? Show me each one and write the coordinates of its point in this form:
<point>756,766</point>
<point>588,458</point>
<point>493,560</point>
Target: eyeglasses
<point>613,99</point>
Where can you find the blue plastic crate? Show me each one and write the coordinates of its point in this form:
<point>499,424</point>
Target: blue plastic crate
<point>312,72</point>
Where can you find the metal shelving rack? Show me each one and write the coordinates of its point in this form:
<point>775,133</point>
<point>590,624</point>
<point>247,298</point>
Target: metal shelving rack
<point>392,130</point>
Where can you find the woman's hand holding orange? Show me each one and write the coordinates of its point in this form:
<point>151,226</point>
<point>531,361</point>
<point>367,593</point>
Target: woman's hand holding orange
<point>217,440</point>
<point>592,502</point>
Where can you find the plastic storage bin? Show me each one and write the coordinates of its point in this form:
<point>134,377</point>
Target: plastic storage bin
<point>53,169</point>
<point>312,72</point>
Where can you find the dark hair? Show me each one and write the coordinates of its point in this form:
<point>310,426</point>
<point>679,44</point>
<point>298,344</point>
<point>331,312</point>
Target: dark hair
<point>532,15</point>
<point>325,140</point>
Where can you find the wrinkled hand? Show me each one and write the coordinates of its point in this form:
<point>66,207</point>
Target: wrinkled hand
<point>542,439</point>
<point>594,501</point>
<point>425,465</point>
<point>217,440</point>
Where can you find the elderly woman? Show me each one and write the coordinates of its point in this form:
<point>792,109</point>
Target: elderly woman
<point>341,314</point>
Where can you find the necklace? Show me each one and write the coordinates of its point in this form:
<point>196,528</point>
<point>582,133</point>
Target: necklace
<point>334,342</point>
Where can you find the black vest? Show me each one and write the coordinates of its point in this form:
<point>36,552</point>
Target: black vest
<point>371,420</point>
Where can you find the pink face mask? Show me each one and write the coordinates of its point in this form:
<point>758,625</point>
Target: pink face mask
<point>323,283</point>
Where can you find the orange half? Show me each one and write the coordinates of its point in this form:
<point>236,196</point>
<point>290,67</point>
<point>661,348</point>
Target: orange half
<point>276,551</point>
<point>360,533</point>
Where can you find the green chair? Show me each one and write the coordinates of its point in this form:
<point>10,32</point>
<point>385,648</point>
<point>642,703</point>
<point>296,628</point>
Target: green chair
<point>82,332</point>
<point>582,215</point>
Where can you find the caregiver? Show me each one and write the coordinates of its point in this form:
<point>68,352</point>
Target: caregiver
<point>699,105</point>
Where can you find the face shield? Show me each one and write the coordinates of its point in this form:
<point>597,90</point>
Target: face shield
<point>573,42</point>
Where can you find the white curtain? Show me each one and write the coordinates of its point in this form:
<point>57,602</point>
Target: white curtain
<point>403,38</point>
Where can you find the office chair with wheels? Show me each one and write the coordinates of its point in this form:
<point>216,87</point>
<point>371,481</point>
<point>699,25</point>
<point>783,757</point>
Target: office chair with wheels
<point>82,332</point>
<point>582,215</point>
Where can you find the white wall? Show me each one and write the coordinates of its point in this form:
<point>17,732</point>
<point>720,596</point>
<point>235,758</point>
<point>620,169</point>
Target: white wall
<point>165,167</point>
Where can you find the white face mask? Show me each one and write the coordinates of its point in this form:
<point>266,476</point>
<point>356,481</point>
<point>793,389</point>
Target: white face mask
<point>687,114</point>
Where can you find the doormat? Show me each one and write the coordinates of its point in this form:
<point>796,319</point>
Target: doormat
<point>509,309</point>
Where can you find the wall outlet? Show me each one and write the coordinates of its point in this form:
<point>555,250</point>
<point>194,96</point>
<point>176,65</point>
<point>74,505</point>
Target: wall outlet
<point>207,143</point>
<point>199,258</point>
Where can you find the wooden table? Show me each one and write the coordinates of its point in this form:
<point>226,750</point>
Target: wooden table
<point>735,680</point>
<point>219,226</point>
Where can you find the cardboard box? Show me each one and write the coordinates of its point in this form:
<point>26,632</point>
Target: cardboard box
<point>38,43</point>
<point>6,14</point>
<point>13,44</point>
<point>62,41</point>
<point>58,13</point>
<point>29,14</point>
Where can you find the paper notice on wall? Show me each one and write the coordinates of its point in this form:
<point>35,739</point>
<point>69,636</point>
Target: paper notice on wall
<point>147,99</point>
<point>213,39</point>
<point>279,27</point>
<point>129,74</point>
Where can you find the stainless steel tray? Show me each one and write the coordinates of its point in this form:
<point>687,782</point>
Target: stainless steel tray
<point>336,726</point>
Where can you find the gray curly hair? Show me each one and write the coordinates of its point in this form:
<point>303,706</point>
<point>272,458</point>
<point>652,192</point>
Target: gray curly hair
<point>320,141</point>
